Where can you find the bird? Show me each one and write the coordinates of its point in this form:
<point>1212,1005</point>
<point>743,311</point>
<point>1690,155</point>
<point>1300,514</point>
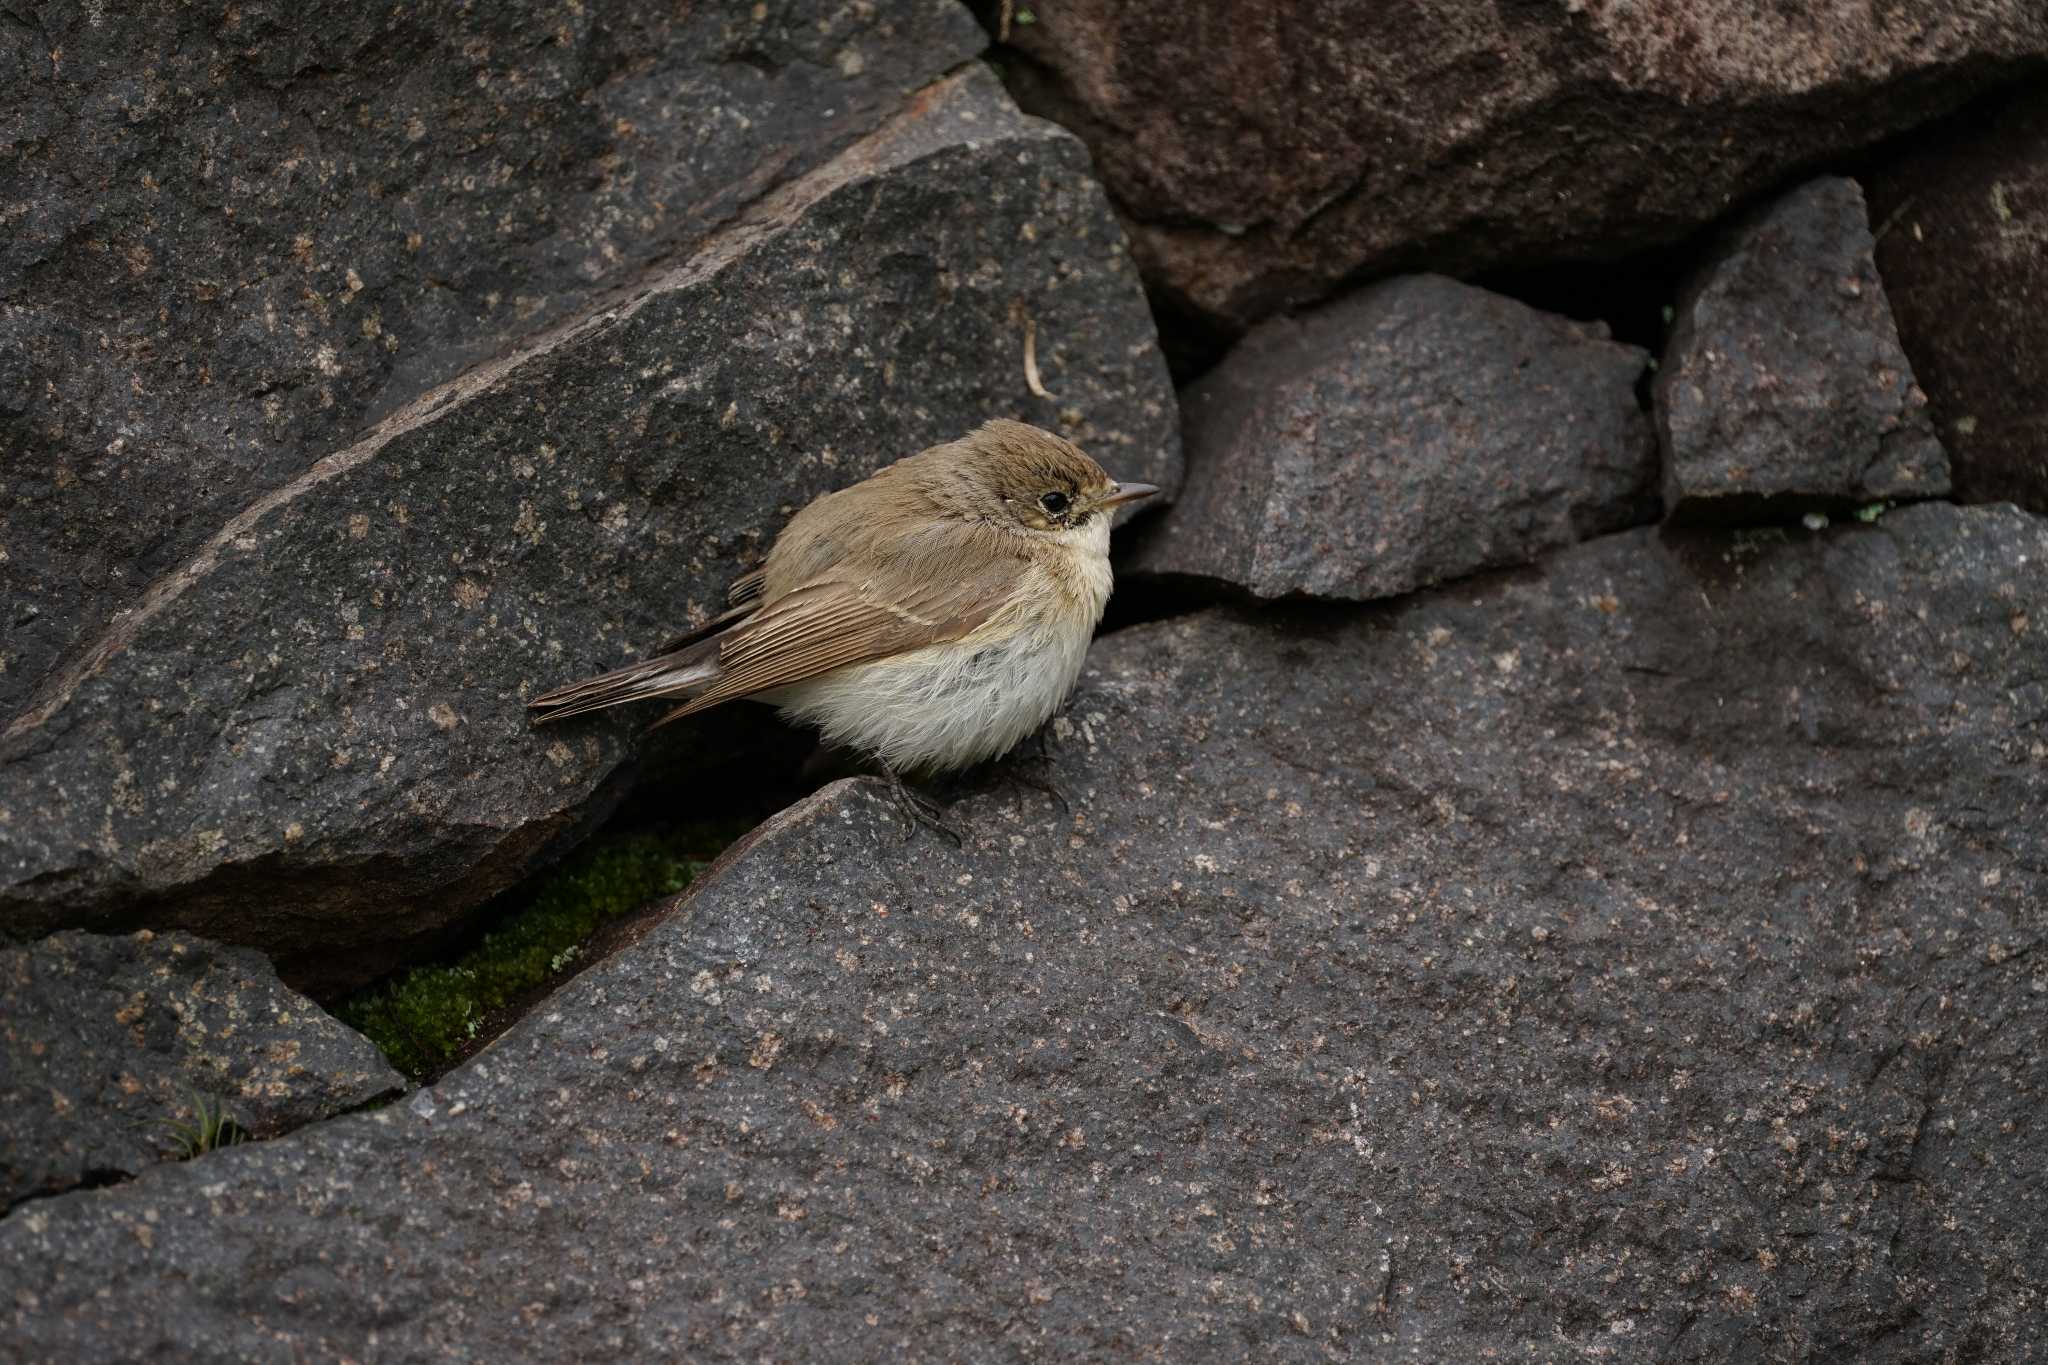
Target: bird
<point>928,617</point>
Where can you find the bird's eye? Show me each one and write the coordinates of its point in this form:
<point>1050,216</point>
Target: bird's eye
<point>1054,503</point>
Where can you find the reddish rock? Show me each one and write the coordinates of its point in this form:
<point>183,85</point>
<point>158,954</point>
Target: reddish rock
<point>1412,432</point>
<point>1783,378</point>
<point>1966,265</point>
<point>1266,151</point>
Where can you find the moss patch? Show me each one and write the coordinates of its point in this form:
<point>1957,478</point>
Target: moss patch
<point>428,1017</point>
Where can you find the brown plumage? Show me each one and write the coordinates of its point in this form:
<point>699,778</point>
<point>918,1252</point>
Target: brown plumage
<point>932,614</point>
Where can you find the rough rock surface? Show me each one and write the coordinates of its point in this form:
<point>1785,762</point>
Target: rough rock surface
<point>1633,957</point>
<point>1265,151</point>
<point>312,736</point>
<point>104,1043</point>
<point>234,234</point>
<point>1783,377</point>
<point>1966,265</point>
<point>1412,432</point>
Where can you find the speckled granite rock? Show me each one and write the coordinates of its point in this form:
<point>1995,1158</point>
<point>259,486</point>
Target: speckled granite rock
<point>1412,432</point>
<point>105,1042</point>
<point>1966,267</point>
<point>324,710</point>
<point>1633,956</point>
<point>1267,151</point>
<point>1784,378</point>
<point>237,232</point>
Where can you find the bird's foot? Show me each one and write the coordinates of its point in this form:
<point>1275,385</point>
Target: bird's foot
<point>919,809</point>
<point>1043,785</point>
<point>1039,750</point>
<point>1016,769</point>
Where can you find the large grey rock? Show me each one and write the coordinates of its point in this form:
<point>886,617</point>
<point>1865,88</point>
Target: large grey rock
<point>324,709</point>
<point>106,1042</point>
<point>238,232</point>
<point>1265,151</point>
<point>1966,266</point>
<point>1783,377</point>
<point>1633,957</point>
<point>1412,432</point>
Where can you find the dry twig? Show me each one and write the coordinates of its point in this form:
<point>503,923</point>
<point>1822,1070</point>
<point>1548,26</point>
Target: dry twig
<point>1031,379</point>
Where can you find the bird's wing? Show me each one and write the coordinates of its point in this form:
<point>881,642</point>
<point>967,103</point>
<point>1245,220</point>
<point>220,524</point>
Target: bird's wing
<point>831,622</point>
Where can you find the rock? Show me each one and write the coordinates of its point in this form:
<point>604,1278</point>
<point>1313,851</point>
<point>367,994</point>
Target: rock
<point>106,1042</point>
<point>1783,377</point>
<point>1415,431</point>
<point>324,707</point>
<point>1634,955</point>
<point>239,234</point>
<point>1265,152</point>
<point>1966,266</point>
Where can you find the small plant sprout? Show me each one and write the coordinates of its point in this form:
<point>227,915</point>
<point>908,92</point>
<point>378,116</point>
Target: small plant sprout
<point>210,1128</point>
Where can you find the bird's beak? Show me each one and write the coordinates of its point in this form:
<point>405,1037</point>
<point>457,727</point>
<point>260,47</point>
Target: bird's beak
<point>1127,492</point>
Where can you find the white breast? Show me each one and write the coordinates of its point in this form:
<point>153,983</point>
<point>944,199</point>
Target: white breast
<point>947,707</point>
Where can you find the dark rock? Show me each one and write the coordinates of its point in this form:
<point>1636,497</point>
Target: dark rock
<point>1783,377</point>
<point>1966,265</point>
<point>1418,430</point>
<point>105,1044</point>
<point>238,233</point>
<point>1636,955</point>
<point>312,737</point>
<point>1264,152</point>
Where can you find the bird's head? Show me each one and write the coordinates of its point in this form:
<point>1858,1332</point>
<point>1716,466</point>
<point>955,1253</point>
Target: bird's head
<point>1015,476</point>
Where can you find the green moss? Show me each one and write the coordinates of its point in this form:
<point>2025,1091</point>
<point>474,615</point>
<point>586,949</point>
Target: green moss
<point>424,1018</point>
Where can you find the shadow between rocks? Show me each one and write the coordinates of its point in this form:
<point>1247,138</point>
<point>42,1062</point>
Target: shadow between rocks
<point>694,790</point>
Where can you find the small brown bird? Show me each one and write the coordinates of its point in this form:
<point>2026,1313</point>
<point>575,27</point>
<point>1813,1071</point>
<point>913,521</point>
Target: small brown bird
<point>930,616</point>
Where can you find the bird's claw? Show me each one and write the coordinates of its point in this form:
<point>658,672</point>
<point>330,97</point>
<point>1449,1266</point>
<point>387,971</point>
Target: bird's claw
<point>919,810</point>
<point>1042,786</point>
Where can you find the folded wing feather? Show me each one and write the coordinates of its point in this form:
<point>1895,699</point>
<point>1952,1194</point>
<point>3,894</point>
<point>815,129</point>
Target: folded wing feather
<point>822,625</point>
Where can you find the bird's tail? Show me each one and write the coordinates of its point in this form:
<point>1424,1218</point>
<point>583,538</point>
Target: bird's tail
<point>679,673</point>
